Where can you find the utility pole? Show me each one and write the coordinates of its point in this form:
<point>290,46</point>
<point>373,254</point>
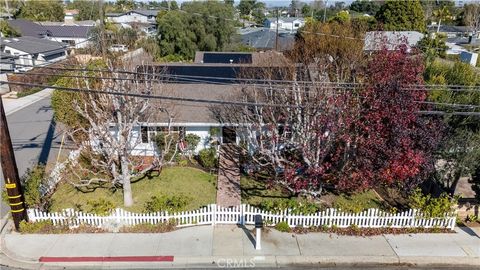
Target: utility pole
<point>276,34</point>
<point>102,29</point>
<point>325,12</point>
<point>10,173</point>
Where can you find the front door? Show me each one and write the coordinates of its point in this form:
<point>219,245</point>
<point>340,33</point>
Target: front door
<point>229,135</point>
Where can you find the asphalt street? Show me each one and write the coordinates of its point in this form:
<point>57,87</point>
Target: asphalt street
<point>264,38</point>
<point>35,138</point>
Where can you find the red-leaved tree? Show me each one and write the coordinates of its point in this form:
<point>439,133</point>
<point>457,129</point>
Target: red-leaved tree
<point>392,142</point>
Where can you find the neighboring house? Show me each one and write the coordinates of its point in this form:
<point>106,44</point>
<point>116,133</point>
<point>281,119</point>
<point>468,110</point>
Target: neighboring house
<point>451,31</point>
<point>7,62</point>
<point>76,36</point>
<point>7,65</point>
<point>32,51</point>
<point>469,57</point>
<point>288,23</point>
<point>391,40</point>
<point>133,16</point>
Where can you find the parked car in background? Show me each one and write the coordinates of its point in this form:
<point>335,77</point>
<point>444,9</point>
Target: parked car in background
<point>118,48</point>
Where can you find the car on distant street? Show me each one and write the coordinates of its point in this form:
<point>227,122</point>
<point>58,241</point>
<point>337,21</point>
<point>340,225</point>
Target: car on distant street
<point>118,48</point>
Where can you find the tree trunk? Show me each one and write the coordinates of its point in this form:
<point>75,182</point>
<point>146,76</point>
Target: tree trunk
<point>127,186</point>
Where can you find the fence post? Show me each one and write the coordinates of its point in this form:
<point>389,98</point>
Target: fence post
<point>412,220</point>
<point>214,213</point>
<point>242,215</point>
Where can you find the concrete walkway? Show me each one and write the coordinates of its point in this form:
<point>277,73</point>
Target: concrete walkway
<point>209,246</point>
<point>228,192</point>
<point>12,105</point>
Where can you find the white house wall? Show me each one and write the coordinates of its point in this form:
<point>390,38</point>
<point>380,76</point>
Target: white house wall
<point>23,59</point>
<point>133,17</point>
<point>79,42</point>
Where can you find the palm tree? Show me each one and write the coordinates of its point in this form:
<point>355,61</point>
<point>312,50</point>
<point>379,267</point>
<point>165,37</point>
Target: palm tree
<point>441,14</point>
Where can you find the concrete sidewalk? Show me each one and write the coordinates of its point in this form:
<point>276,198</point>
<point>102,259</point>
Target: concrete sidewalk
<point>209,246</point>
<point>12,105</point>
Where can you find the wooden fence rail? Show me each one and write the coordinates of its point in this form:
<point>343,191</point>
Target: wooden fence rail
<point>244,214</point>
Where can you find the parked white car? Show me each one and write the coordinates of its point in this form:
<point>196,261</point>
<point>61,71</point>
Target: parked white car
<point>118,48</point>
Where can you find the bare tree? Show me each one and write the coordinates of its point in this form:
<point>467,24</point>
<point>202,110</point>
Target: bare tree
<point>108,142</point>
<point>472,16</point>
<point>292,129</point>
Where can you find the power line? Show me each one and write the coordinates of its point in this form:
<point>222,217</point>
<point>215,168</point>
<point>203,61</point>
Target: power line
<point>253,82</point>
<point>220,102</point>
<point>93,91</point>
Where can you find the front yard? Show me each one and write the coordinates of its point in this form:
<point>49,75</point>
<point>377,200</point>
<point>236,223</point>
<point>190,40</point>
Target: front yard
<point>196,186</point>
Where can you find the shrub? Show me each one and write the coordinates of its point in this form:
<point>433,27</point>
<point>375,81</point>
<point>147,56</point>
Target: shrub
<point>32,182</point>
<point>45,226</point>
<point>432,207</point>
<point>208,158</point>
<point>167,203</point>
<point>192,141</point>
<point>150,228</point>
<point>296,206</point>
<point>282,227</point>
<point>100,207</point>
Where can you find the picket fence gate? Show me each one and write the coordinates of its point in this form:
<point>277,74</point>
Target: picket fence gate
<point>245,214</point>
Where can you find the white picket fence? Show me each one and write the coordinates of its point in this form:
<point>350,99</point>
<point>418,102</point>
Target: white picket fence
<point>245,214</point>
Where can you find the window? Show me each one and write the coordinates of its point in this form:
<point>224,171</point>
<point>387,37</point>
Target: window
<point>148,134</point>
<point>144,134</point>
<point>297,25</point>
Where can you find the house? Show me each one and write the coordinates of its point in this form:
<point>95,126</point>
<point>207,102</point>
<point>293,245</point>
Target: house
<point>7,62</point>
<point>32,51</point>
<point>469,57</point>
<point>212,77</point>
<point>450,31</point>
<point>133,16</point>
<point>76,36</point>
<point>286,23</point>
<point>391,40</point>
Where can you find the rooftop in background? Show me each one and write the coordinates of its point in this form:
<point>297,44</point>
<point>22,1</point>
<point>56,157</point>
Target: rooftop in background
<point>74,23</point>
<point>28,28</point>
<point>33,45</point>
<point>450,29</point>
<point>40,30</point>
<point>376,40</point>
<point>144,12</point>
<point>285,19</point>
<point>215,67</point>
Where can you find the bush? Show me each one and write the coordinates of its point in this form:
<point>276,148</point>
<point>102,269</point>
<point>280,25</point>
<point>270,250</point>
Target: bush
<point>100,207</point>
<point>282,227</point>
<point>296,206</point>
<point>356,203</point>
<point>150,228</point>
<point>192,141</point>
<point>432,207</point>
<point>45,226</point>
<point>208,158</point>
<point>32,182</point>
<point>167,203</point>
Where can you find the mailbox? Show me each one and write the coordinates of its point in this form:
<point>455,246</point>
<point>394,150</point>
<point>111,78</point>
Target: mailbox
<point>258,221</point>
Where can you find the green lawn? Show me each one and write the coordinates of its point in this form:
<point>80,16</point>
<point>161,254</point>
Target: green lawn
<point>198,186</point>
<point>254,192</point>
